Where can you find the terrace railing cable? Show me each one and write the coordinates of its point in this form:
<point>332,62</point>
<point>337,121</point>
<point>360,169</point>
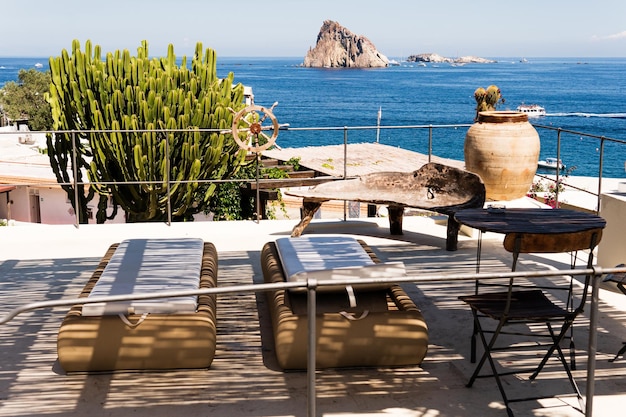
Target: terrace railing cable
<point>345,130</point>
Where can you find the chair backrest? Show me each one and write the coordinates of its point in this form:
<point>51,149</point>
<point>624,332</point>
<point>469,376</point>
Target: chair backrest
<point>555,243</point>
<point>552,243</point>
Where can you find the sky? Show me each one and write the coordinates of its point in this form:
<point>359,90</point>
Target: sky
<point>282,28</point>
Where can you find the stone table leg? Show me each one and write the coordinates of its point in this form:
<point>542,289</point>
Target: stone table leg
<point>452,237</point>
<point>308,211</point>
<point>396,213</point>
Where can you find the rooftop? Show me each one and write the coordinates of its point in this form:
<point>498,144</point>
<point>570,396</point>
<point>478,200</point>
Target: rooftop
<point>330,159</point>
<point>53,262</point>
<point>44,262</point>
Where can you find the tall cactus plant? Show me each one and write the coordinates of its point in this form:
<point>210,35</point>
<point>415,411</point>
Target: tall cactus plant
<point>135,123</point>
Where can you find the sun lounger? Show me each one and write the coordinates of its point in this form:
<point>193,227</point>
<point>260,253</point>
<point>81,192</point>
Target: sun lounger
<point>150,334</point>
<point>377,326</point>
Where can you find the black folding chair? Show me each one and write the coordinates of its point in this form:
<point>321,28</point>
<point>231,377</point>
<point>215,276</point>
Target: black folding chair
<point>519,305</point>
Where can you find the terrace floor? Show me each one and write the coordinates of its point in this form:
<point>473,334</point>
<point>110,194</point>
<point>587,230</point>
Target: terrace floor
<point>42,262</point>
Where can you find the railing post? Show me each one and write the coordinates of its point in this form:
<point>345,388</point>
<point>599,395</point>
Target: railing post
<point>167,179</point>
<point>593,337</point>
<point>558,168</point>
<point>77,210</point>
<point>312,346</point>
<point>345,168</point>
<point>430,143</point>
<point>600,169</point>
<point>257,160</point>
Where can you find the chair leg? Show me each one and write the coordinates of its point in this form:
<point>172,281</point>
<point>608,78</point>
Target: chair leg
<point>572,352</point>
<point>473,344</point>
<point>620,353</point>
<point>556,341</point>
<point>488,346</point>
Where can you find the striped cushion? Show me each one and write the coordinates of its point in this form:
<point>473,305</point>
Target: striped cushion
<point>332,258</point>
<point>141,266</point>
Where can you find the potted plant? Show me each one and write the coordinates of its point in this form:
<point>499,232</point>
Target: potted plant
<point>487,99</point>
<point>502,147</point>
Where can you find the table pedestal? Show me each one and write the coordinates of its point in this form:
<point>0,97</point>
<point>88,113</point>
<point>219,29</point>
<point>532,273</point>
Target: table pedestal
<point>396,215</point>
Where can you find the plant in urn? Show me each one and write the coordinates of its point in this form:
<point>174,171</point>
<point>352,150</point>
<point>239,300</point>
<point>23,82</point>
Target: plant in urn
<point>502,147</point>
<point>487,100</point>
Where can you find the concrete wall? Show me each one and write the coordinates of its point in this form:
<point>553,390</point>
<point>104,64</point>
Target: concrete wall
<point>4,205</point>
<point>54,207</point>
<point>20,209</point>
<point>612,247</point>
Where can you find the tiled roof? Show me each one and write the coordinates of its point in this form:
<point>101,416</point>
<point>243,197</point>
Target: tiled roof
<point>362,158</point>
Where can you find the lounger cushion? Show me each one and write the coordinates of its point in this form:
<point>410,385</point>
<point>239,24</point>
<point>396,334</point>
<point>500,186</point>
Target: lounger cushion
<point>311,253</point>
<point>141,266</point>
<point>332,258</point>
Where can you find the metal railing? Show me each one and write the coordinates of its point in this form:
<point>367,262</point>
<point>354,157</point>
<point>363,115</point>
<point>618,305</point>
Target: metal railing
<point>345,130</point>
<point>312,286</point>
<point>602,139</point>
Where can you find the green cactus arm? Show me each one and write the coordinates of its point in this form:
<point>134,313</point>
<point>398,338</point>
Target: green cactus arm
<point>137,92</point>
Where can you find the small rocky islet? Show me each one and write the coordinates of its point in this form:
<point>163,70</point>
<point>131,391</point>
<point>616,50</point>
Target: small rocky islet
<point>338,47</point>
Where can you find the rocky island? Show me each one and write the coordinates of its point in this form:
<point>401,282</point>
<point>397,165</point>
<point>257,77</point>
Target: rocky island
<point>337,47</point>
<point>437,59</point>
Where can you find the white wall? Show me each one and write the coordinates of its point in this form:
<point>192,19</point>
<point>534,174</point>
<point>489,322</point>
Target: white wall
<point>612,248</point>
<point>20,209</point>
<point>4,210</point>
<point>54,206</point>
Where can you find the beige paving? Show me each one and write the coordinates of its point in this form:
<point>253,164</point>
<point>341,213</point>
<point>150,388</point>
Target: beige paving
<point>41,262</point>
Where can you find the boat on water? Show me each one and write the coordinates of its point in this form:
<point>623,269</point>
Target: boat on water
<point>532,110</point>
<point>551,163</point>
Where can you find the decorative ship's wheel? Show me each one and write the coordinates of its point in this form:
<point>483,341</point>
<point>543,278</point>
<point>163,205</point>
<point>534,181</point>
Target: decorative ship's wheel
<point>255,128</point>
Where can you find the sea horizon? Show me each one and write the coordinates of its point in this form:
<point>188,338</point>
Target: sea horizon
<point>388,56</point>
<point>580,94</point>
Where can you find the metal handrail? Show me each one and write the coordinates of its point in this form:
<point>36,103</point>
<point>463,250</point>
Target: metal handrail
<point>344,129</point>
<point>313,285</point>
<point>309,283</point>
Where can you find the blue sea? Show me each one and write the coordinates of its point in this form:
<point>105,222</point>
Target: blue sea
<point>586,95</point>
